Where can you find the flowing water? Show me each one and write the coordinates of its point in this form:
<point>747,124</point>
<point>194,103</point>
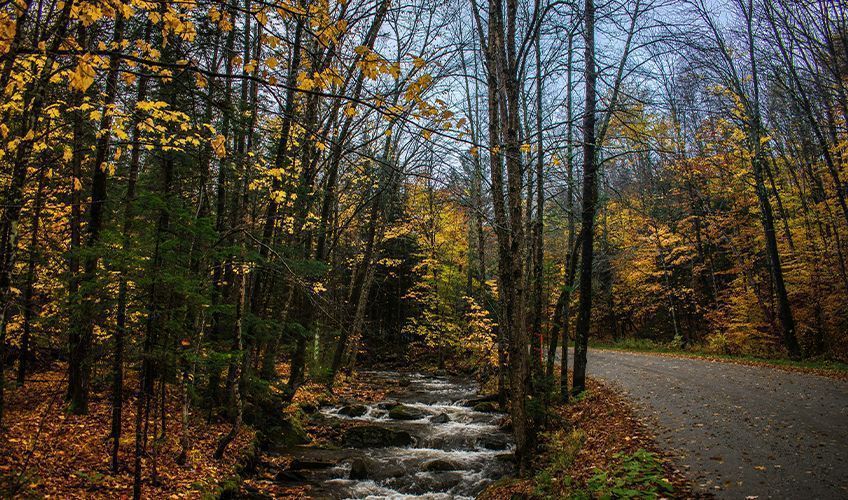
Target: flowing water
<point>453,459</point>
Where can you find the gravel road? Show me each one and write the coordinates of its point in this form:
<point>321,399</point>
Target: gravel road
<point>740,431</point>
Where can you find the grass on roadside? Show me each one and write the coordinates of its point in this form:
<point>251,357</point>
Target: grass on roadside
<point>820,366</point>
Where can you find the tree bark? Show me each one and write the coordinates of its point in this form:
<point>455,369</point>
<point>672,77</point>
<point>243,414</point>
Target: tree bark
<point>584,313</point>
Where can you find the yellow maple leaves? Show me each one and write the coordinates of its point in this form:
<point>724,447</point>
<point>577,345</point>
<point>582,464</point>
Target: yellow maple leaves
<point>373,65</point>
<point>87,13</point>
<point>82,76</point>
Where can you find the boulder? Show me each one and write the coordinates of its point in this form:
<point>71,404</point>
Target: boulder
<point>440,465</point>
<point>374,436</point>
<point>387,405</point>
<point>404,381</point>
<point>486,407</point>
<point>353,410</point>
<point>487,398</point>
<point>290,477</point>
<point>358,470</point>
<point>286,434</point>
<point>441,418</point>
<point>493,443</point>
<point>403,412</point>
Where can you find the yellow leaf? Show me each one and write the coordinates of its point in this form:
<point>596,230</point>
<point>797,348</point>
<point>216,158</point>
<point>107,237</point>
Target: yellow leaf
<point>83,76</point>
<point>218,146</point>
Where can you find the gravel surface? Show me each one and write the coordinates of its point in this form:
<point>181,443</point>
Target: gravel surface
<point>740,431</point>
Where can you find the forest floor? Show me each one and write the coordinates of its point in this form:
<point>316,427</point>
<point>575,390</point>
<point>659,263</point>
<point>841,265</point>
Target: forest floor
<point>740,431</point>
<point>50,453</point>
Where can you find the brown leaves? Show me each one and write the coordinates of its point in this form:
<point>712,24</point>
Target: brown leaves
<point>610,426</point>
<point>70,453</point>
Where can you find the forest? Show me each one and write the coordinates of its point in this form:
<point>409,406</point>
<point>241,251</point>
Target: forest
<point>216,213</point>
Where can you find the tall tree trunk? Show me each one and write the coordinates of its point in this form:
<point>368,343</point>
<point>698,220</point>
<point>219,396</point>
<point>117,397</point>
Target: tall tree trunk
<point>584,313</point>
<point>13,196</point>
<point>561,311</point>
<point>784,311</point>
<point>538,226</point>
<point>235,397</point>
<point>32,264</point>
<point>97,205</point>
<point>126,244</point>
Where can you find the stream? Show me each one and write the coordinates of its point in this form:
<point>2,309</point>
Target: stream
<point>424,441</point>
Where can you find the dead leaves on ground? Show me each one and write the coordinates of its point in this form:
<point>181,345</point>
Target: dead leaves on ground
<point>54,454</point>
<point>611,427</point>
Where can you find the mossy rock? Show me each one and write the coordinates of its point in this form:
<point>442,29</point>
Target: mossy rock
<point>353,410</point>
<point>358,470</point>
<point>403,412</point>
<point>441,418</point>
<point>440,465</point>
<point>286,434</point>
<point>374,436</point>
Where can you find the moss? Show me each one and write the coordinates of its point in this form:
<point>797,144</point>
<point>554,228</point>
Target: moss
<point>561,447</point>
<point>225,489</point>
<point>284,432</point>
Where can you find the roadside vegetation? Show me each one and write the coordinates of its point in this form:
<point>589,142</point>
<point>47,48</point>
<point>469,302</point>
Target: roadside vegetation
<point>819,365</point>
<point>596,447</point>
